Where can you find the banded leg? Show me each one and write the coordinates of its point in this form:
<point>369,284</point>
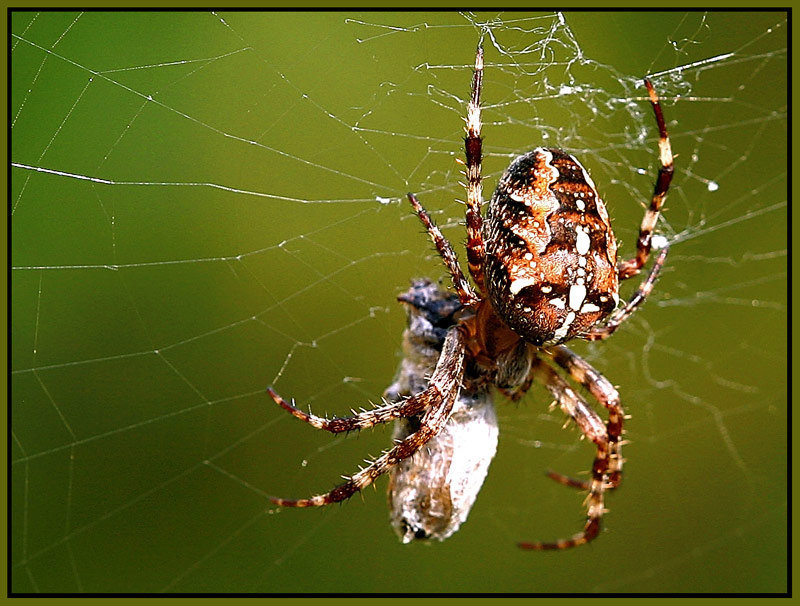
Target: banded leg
<point>592,426</point>
<point>361,420</point>
<point>604,392</point>
<point>632,267</point>
<point>441,394</point>
<point>404,408</point>
<point>473,154</point>
<point>605,330</point>
<point>466,294</point>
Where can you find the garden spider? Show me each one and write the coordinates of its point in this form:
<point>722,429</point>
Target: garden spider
<point>544,264</point>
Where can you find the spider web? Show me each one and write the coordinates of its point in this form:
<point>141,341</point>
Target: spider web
<point>204,204</point>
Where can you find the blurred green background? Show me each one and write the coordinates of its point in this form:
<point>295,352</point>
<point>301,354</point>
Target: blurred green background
<point>203,204</point>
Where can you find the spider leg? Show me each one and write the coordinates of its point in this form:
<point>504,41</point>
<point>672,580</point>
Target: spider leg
<point>367,418</point>
<point>569,481</point>
<point>606,394</point>
<point>603,391</point>
<point>605,330</point>
<point>439,398</point>
<point>465,292</point>
<point>592,426</point>
<point>632,267</point>
<point>473,153</point>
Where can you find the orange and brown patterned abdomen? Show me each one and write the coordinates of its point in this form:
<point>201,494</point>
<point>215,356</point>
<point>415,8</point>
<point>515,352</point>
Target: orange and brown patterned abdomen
<point>550,268</point>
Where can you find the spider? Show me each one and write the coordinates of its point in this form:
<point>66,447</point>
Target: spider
<point>545,270</point>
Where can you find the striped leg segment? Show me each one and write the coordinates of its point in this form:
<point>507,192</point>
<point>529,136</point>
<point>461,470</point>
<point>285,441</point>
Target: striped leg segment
<point>604,392</point>
<point>464,289</point>
<point>473,153</point>
<point>643,245</point>
<point>439,397</point>
<point>605,330</point>
<point>592,426</point>
<point>361,420</point>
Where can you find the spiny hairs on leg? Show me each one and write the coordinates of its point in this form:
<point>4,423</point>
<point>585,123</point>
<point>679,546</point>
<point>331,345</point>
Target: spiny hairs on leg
<point>643,245</point>
<point>606,394</point>
<point>383,414</point>
<point>592,426</point>
<point>361,420</point>
<point>441,394</point>
<point>428,429</point>
<point>613,322</point>
<point>473,152</point>
<point>466,294</point>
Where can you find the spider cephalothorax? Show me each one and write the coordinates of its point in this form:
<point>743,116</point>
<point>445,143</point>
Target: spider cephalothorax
<point>545,269</point>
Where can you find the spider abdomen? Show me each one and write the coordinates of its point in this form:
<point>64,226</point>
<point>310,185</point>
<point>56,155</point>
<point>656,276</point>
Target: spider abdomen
<point>550,261</point>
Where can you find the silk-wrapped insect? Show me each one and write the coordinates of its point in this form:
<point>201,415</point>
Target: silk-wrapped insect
<point>432,492</point>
